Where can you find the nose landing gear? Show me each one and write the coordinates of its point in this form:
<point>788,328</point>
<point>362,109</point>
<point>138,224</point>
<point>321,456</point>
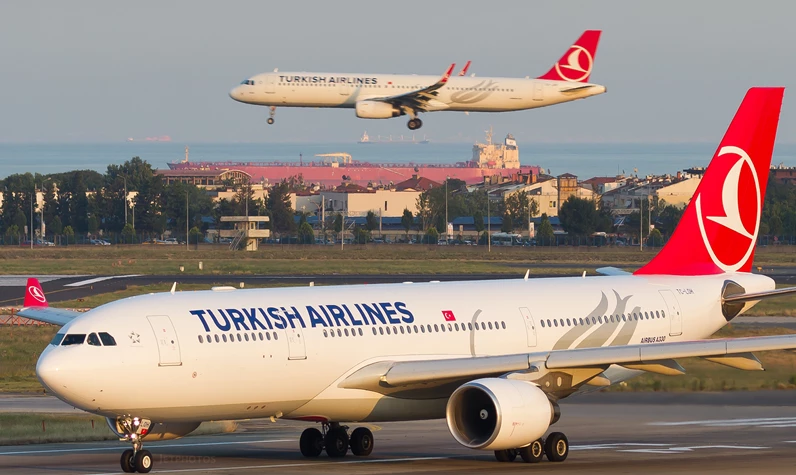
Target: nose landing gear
<point>272,112</point>
<point>133,430</point>
<point>335,440</point>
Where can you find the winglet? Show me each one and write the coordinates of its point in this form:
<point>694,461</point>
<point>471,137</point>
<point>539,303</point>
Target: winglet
<point>447,74</point>
<point>34,295</point>
<point>465,68</point>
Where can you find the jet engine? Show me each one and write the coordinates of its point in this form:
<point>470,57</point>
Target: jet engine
<point>157,430</point>
<point>498,414</point>
<point>376,110</point>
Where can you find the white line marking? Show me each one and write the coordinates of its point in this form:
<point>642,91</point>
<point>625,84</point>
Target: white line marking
<point>99,279</point>
<point>728,422</point>
<point>290,465</point>
<point>679,450</point>
<point>615,446</point>
<point>97,449</point>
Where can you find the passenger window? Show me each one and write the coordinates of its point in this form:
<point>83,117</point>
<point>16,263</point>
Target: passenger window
<point>456,326</point>
<point>568,322</point>
<point>374,330</point>
<point>422,329</point>
<point>663,314</point>
<point>216,338</point>
<point>381,330</point>
<point>442,328</point>
<point>224,337</point>
<point>543,325</point>
<point>415,328</point>
<point>503,324</point>
<point>388,330</point>
<point>555,322</point>
<point>490,325</point>
<point>581,321</point>
<point>74,339</point>
<point>276,337</point>
<point>246,336</point>
<point>93,340</point>
<point>201,340</point>
<point>360,332</point>
<point>402,330</point>
<point>57,339</point>
<point>107,339</point>
<point>436,327</point>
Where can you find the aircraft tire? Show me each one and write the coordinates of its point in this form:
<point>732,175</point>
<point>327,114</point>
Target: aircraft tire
<point>361,442</point>
<point>556,447</point>
<point>143,461</point>
<point>270,121</point>
<point>311,442</point>
<point>336,443</point>
<point>533,453</point>
<point>507,455</point>
<point>127,462</point>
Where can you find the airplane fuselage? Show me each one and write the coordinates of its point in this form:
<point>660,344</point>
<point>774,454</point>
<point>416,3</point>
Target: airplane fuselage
<point>344,90</point>
<point>284,352</point>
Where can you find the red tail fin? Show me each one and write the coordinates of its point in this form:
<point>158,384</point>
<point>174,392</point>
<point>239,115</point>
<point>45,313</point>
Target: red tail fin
<point>34,295</point>
<point>578,61</point>
<point>718,230</point>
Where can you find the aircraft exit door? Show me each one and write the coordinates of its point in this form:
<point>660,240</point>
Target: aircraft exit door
<point>168,345</point>
<point>530,327</point>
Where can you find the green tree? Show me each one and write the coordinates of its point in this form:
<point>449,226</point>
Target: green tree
<point>432,235</point>
<point>579,216</point>
<point>280,210</point>
<point>775,225</point>
<point>655,239</point>
<point>128,233</point>
<point>407,219</point>
<point>56,226</point>
<point>545,235</point>
<point>305,233</point>
<point>508,224</point>
<point>93,224</point>
<point>361,235</point>
<point>338,225</point>
<point>12,234</point>
<point>70,235</point>
<point>371,221</point>
<point>195,235</point>
<point>478,221</point>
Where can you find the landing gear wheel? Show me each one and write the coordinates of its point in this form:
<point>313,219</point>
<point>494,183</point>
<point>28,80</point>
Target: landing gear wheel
<point>336,443</point>
<point>414,124</point>
<point>311,442</point>
<point>361,442</point>
<point>507,455</point>
<point>270,121</point>
<point>271,112</point>
<point>534,452</point>
<point>143,461</point>
<point>556,447</point>
<point>127,462</point>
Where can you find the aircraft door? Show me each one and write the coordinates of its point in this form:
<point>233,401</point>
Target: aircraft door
<point>295,344</point>
<point>538,91</point>
<point>675,315</point>
<point>530,326</point>
<point>270,84</point>
<point>344,89</point>
<point>168,344</point>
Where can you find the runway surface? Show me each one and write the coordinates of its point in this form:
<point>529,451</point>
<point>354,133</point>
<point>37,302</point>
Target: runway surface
<point>610,433</point>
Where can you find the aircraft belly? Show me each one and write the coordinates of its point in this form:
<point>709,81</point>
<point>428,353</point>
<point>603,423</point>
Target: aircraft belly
<point>373,408</point>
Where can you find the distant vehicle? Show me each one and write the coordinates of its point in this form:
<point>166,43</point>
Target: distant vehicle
<point>99,242</point>
<point>382,96</point>
<point>38,242</point>
<point>170,241</point>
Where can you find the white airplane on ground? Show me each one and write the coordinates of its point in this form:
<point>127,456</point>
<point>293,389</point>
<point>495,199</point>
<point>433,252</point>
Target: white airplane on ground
<point>382,96</point>
<point>493,357</point>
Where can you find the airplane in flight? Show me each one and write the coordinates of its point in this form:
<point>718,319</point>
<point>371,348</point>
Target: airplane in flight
<point>493,358</point>
<point>383,96</point>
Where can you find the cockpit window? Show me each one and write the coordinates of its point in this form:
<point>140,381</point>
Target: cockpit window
<point>107,339</point>
<point>74,339</point>
<point>247,82</point>
<point>93,340</point>
<point>57,339</point>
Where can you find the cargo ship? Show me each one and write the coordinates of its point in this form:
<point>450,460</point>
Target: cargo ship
<point>332,169</point>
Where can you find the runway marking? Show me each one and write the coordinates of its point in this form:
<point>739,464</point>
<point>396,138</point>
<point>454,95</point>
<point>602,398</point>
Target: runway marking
<point>99,449</point>
<point>766,422</point>
<point>615,446</point>
<point>99,279</point>
<point>680,450</point>
<point>290,465</point>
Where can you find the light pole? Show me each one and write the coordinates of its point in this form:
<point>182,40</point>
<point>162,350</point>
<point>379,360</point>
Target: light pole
<point>488,225</point>
<point>33,197</point>
<point>446,207</point>
<point>125,199</point>
<point>187,220</point>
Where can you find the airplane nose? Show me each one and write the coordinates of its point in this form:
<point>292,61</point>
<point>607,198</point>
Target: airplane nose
<point>236,93</point>
<point>51,373</point>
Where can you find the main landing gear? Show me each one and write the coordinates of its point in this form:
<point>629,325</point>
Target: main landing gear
<point>414,124</point>
<point>136,459</point>
<point>271,113</point>
<point>555,447</point>
<point>335,440</point>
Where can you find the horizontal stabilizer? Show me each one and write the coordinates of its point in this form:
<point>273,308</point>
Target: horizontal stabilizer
<point>751,297</point>
<point>612,271</point>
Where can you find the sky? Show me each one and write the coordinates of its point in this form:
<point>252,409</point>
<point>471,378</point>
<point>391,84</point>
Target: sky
<point>98,71</point>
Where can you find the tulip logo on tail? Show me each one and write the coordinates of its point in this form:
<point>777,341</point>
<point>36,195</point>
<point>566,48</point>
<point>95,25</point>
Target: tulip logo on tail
<point>36,294</point>
<point>729,226</point>
<point>578,65</point>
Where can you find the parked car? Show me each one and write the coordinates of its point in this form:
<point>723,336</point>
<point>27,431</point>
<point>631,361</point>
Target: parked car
<point>99,242</point>
<point>171,241</point>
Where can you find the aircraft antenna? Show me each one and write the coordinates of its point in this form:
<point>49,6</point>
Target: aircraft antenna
<point>173,288</point>
<point>527,273</point>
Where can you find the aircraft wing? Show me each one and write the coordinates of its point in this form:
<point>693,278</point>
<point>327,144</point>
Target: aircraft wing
<point>418,99</point>
<point>566,369</point>
<point>56,316</point>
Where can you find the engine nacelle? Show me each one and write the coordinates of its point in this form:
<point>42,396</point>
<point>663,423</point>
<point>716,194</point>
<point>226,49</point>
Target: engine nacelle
<point>498,414</point>
<point>376,110</point>
<point>157,430</point>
